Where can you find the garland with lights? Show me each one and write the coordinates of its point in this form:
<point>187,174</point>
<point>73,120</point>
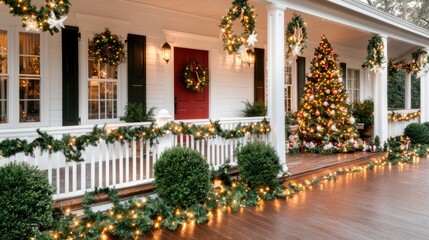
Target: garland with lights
<point>107,48</point>
<point>138,216</point>
<point>296,36</point>
<point>234,43</point>
<point>44,18</point>
<point>72,146</point>
<point>194,76</point>
<point>419,60</point>
<point>399,117</point>
<point>375,55</point>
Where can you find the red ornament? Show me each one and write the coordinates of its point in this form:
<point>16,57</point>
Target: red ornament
<point>335,91</point>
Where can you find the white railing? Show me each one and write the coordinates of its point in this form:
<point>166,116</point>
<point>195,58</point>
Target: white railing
<point>396,128</point>
<point>121,165</point>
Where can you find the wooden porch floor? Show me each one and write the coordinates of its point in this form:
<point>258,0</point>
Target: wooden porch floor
<point>384,203</point>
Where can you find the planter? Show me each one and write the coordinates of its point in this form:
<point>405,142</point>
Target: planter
<point>367,132</point>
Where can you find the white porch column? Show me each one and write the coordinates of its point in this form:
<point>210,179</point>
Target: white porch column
<point>380,99</point>
<point>276,78</point>
<point>407,91</point>
<point>424,90</point>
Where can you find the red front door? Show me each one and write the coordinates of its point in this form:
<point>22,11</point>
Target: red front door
<point>188,104</point>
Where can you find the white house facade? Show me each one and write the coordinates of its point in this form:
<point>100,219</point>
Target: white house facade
<point>41,89</point>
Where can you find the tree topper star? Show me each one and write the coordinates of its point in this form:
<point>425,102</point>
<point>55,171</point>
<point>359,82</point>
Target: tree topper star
<point>252,39</point>
<point>54,22</point>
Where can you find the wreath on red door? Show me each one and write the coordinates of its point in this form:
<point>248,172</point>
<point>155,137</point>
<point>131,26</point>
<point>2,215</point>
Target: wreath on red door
<point>194,76</point>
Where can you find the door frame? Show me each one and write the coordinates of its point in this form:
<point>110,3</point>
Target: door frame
<point>192,41</point>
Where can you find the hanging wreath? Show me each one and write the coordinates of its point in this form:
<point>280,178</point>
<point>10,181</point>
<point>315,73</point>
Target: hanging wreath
<point>234,43</point>
<point>194,76</point>
<point>49,17</point>
<point>107,48</point>
<point>419,60</point>
<point>296,36</point>
<point>375,55</point>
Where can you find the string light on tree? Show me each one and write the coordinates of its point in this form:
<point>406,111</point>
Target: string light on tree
<point>324,105</point>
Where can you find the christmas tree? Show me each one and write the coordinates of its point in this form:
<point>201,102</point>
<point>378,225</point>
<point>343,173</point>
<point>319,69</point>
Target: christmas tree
<point>325,113</point>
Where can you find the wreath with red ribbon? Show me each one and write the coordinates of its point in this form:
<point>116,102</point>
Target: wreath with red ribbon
<point>195,76</point>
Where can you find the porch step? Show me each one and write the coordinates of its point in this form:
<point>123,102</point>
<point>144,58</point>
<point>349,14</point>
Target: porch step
<point>302,166</point>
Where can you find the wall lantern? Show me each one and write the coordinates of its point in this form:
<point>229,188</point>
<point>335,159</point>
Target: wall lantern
<point>250,57</point>
<point>166,52</point>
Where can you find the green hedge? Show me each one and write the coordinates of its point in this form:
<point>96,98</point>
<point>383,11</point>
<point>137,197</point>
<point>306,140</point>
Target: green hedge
<point>182,177</point>
<point>417,132</point>
<point>26,202</point>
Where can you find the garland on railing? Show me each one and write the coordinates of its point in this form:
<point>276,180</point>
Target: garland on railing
<point>375,55</point>
<point>399,117</point>
<point>72,146</point>
<point>136,217</point>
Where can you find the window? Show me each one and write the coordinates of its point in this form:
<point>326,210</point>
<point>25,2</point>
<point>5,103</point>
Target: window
<point>288,87</point>
<point>102,90</point>
<point>3,77</point>
<point>29,77</point>
<point>353,84</point>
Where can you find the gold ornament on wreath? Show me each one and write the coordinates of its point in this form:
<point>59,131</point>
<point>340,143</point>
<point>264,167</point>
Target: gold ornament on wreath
<point>194,76</point>
<point>296,36</point>
<point>107,48</point>
<point>49,17</point>
<point>234,43</point>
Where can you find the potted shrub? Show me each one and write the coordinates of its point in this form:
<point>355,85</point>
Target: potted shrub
<point>255,109</point>
<point>363,111</point>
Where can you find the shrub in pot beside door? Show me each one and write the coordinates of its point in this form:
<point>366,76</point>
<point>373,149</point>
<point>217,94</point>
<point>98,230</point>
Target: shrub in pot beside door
<point>363,111</point>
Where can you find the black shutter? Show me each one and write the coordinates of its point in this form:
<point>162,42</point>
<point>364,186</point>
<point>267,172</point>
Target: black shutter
<point>70,39</point>
<point>343,67</point>
<point>259,75</point>
<point>137,69</point>
<point>300,72</point>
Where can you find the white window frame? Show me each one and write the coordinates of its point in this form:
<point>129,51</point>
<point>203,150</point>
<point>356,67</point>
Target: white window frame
<point>13,80</point>
<point>84,80</point>
<point>351,89</point>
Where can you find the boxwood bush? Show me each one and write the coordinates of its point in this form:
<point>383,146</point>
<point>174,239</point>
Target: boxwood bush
<point>26,202</point>
<point>182,177</point>
<point>417,132</point>
<point>258,164</point>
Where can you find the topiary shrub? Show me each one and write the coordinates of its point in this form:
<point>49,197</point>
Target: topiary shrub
<point>182,177</point>
<point>26,202</point>
<point>258,164</point>
<point>417,132</point>
<point>426,124</point>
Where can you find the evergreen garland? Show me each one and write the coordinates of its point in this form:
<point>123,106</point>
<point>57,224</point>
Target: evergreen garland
<point>72,146</point>
<point>375,55</point>
<point>296,36</point>
<point>419,60</point>
<point>25,9</point>
<point>107,48</point>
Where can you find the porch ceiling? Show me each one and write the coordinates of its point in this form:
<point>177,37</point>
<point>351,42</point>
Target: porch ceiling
<point>337,34</point>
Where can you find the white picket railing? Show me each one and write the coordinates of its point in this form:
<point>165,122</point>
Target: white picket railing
<point>396,128</point>
<point>121,165</point>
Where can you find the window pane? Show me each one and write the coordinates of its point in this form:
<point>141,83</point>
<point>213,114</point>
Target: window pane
<point>93,90</point>
<point>93,109</point>
<point>102,109</point>
<point>29,44</point>
<point>3,99</point>
<point>29,89</point>
<point>109,109</point>
<point>29,65</point>
<point>102,90</point>
<point>3,64</point>
<point>29,111</point>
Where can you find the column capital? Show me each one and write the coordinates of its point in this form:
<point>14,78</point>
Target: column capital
<point>276,5</point>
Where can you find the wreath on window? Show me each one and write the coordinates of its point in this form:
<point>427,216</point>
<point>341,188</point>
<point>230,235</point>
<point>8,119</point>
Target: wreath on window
<point>107,48</point>
<point>234,43</point>
<point>194,76</point>
<point>296,36</point>
<point>46,18</point>
<point>375,55</point>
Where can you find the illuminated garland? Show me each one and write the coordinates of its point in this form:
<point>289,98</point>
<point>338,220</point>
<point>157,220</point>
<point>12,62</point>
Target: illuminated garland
<point>375,55</point>
<point>72,146</point>
<point>107,48</point>
<point>44,18</point>
<point>136,217</point>
<point>194,76</point>
<point>234,43</point>
<point>419,60</point>
<point>399,117</point>
<point>296,36</point>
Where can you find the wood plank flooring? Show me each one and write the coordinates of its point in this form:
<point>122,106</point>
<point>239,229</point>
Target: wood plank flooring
<point>384,203</point>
